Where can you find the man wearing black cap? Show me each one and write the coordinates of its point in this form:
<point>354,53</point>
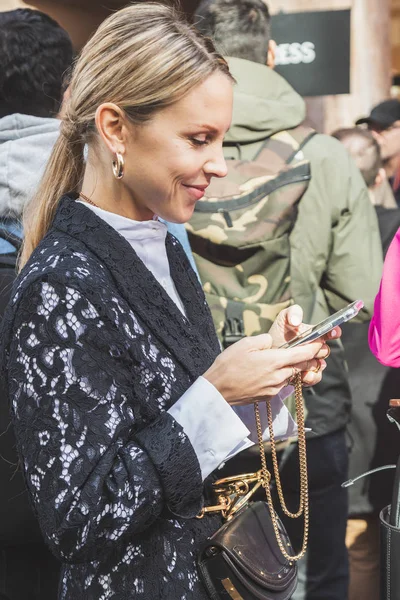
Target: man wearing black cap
<point>383,115</point>
<point>384,122</point>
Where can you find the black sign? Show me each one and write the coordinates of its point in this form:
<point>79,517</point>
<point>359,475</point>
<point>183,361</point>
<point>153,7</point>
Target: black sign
<point>313,52</point>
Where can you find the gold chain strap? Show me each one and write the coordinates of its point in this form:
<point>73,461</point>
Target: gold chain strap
<point>234,492</point>
<point>303,504</point>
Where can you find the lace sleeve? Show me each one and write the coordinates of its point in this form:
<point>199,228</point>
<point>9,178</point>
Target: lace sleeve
<point>95,472</point>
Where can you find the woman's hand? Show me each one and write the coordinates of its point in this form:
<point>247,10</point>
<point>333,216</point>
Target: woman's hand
<point>289,323</point>
<point>252,369</point>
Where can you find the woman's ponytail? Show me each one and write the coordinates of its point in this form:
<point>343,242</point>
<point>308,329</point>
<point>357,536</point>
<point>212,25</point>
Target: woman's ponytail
<point>64,173</point>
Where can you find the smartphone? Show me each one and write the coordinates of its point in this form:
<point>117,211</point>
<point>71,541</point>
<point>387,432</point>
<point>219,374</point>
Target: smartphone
<point>324,327</point>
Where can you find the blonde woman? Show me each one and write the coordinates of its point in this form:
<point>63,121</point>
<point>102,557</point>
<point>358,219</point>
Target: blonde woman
<point>122,403</point>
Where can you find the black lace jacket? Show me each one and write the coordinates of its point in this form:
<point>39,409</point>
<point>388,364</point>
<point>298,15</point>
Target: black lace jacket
<point>95,352</point>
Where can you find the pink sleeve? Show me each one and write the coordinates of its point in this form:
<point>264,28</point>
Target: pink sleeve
<point>384,331</point>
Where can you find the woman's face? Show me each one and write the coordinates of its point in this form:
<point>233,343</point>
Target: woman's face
<point>169,161</point>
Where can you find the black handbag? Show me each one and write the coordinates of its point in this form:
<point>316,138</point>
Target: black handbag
<point>250,557</point>
<point>242,560</point>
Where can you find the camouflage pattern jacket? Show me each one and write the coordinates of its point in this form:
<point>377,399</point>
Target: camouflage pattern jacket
<point>336,254</point>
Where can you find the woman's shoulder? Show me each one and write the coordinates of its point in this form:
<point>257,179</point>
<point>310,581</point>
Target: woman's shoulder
<point>63,261</point>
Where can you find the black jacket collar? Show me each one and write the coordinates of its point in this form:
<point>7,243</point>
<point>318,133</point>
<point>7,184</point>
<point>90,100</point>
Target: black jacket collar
<point>141,290</point>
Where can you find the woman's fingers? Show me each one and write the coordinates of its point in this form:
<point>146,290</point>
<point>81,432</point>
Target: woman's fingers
<point>334,334</point>
<point>294,315</point>
<point>324,352</point>
<point>311,371</point>
<point>310,378</point>
<point>311,374</point>
<point>287,325</point>
<point>314,365</point>
<point>285,375</point>
<point>264,370</point>
<point>299,354</point>
<point>255,343</point>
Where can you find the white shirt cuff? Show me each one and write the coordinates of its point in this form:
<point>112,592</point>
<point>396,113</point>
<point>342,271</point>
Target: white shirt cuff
<point>212,426</point>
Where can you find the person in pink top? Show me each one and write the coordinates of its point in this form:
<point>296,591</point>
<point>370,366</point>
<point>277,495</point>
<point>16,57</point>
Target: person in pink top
<point>384,331</point>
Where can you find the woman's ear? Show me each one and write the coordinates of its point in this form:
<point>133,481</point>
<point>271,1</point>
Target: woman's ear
<point>110,123</point>
<point>271,54</point>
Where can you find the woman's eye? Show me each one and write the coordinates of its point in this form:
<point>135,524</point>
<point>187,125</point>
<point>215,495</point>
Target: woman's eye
<point>198,142</point>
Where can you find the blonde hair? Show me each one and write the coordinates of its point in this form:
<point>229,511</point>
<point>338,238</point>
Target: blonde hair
<point>143,58</point>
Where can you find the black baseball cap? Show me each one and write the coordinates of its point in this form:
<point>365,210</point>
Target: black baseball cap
<point>383,114</point>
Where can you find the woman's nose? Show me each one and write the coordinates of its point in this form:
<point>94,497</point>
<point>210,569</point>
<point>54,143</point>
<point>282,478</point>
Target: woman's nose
<point>216,166</point>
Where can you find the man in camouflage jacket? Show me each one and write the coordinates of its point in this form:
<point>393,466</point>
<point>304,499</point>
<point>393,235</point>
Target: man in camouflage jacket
<point>336,258</point>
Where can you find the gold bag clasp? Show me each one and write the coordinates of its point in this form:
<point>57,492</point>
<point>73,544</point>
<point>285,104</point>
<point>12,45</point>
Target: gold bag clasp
<point>233,493</point>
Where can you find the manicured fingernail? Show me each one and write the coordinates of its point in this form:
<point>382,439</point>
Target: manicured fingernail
<point>333,333</point>
<point>295,320</point>
<point>323,364</point>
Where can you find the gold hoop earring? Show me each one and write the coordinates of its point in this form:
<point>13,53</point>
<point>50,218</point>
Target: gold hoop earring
<point>118,166</point>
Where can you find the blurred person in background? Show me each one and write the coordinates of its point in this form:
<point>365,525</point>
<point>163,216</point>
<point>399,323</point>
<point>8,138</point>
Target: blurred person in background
<point>35,54</point>
<point>384,123</point>
<point>384,331</point>
<point>373,439</point>
<point>336,258</point>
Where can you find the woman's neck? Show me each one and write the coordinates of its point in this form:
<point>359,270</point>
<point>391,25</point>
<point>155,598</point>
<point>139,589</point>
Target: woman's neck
<point>112,195</point>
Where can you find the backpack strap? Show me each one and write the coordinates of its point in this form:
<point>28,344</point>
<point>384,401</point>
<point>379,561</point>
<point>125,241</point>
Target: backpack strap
<point>285,150</point>
<point>305,141</point>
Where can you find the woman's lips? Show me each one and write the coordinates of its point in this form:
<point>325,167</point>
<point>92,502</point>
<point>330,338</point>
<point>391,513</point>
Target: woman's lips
<point>197,192</point>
